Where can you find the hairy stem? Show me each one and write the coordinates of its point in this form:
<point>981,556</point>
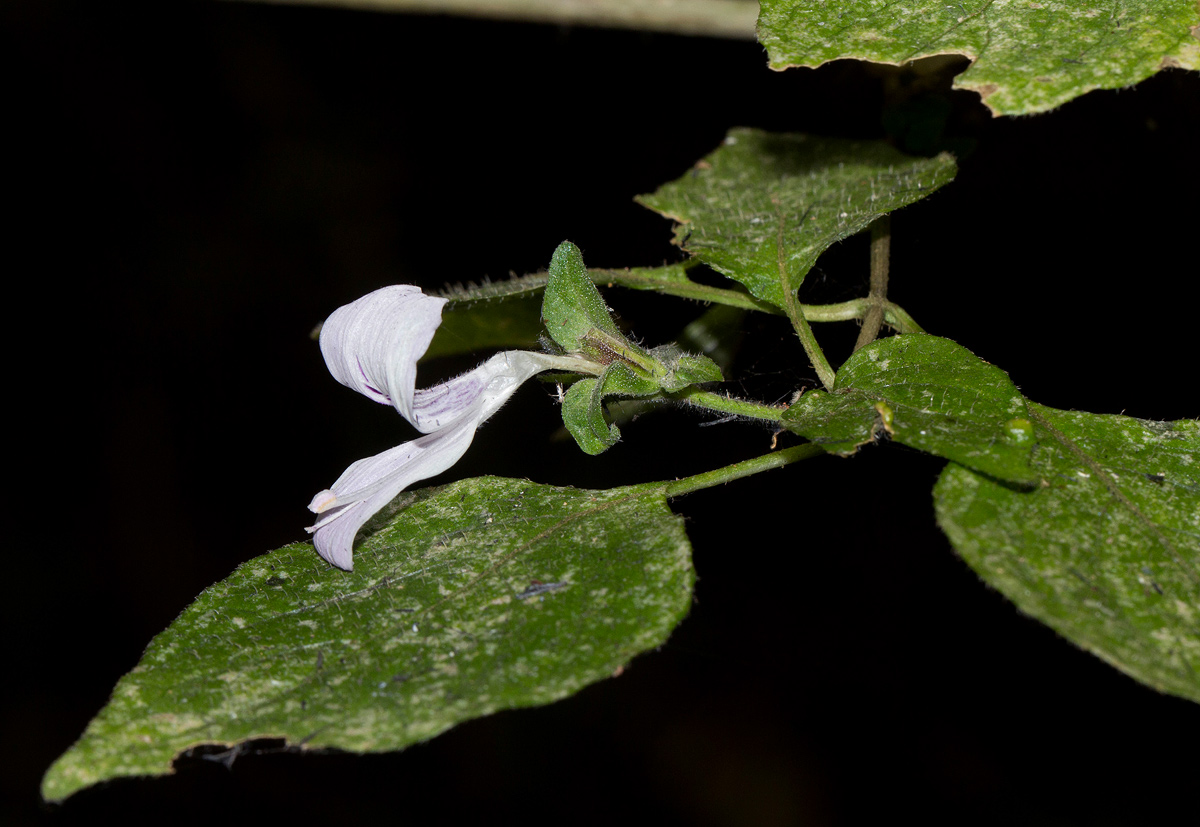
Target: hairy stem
<point>899,320</point>
<point>671,280</point>
<point>825,373</point>
<point>729,473</point>
<point>881,241</point>
<point>729,405</point>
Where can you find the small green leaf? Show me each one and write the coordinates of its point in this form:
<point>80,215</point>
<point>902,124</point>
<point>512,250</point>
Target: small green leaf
<point>764,206</point>
<point>572,306</point>
<point>925,392</point>
<point>582,409</point>
<point>583,415</point>
<point>839,423</point>
<point>483,595</point>
<point>1026,57</point>
<point>1106,550</point>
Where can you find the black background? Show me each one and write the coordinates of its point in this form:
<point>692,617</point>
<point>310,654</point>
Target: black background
<point>196,187</point>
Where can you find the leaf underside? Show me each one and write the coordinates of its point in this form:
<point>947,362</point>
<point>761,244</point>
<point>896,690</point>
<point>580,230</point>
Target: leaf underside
<point>508,323</point>
<point>1027,57</point>
<point>482,595</point>
<point>1106,549</point>
<point>764,206</point>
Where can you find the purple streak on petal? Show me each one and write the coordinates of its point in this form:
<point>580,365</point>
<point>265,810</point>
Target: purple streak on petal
<point>443,404</point>
<point>489,385</point>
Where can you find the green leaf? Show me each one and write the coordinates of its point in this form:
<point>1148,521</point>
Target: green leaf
<point>1106,550</point>
<point>571,306</point>
<point>764,206</point>
<point>466,328</point>
<point>583,415</point>
<point>928,393</point>
<point>482,595</point>
<point>1026,56</point>
<point>718,332</point>
<point>582,410</point>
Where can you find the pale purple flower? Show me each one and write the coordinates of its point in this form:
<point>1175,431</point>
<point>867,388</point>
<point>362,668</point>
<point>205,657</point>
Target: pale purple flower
<point>372,345</point>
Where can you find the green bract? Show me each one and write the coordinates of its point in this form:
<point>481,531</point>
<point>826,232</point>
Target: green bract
<point>571,307</point>
<point>582,412</point>
<point>579,321</point>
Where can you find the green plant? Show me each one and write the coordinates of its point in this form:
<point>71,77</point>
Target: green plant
<point>1086,522</point>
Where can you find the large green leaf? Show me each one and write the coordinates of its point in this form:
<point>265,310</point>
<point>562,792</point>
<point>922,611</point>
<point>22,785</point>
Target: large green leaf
<point>928,393</point>
<point>764,206</point>
<point>483,595</point>
<point>1106,550</point>
<point>1027,56</point>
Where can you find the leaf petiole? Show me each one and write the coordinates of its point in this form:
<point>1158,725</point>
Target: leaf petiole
<point>825,372</point>
<point>720,476</point>
<point>725,404</point>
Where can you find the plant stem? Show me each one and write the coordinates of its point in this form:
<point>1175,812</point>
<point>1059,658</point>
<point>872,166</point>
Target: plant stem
<point>825,373</point>
<point>729,473</point>
<point>898,319</point>
<point>671,281</point>
<point>710,18</point>
<point>725,404</point>
<point>881,240</point>
<point>894,316</point>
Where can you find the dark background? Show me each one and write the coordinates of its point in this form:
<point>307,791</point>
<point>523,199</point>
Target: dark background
<point>196,187</point>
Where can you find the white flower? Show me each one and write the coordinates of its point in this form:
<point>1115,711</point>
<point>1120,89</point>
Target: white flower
<point>372,345</point>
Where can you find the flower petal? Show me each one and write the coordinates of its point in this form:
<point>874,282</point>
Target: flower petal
<point>488,386</point>
<point>372,344</point>
<point>453,411</point>
<point>370,484</point>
